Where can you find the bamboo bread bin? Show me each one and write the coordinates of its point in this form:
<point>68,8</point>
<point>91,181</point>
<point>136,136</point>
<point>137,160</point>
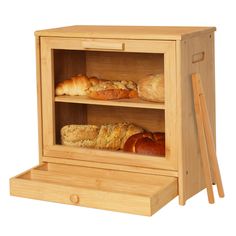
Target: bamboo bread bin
<point>117,180</point>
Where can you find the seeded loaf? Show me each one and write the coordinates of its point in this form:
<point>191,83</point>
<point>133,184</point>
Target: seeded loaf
<point>108,136</point>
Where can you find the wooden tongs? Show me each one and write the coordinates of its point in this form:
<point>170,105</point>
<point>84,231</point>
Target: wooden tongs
<point>206,140</point>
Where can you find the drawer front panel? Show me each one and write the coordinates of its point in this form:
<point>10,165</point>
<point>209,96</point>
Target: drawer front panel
<point>98,188</point>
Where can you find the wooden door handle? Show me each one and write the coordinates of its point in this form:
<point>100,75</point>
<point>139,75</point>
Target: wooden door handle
<point>197,57</point>
<point>74,198</point>
<point>102,45</point>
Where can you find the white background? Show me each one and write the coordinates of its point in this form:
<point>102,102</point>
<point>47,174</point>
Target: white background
<point>18,117</point>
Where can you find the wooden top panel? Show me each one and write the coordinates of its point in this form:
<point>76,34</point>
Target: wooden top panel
<point>126,32</point>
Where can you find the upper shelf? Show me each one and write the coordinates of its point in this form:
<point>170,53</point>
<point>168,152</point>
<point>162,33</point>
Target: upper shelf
<point>133,102</point>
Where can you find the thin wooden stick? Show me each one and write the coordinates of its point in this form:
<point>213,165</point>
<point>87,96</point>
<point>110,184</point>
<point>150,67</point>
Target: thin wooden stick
<point>210,140</point>
<point>202,139</point>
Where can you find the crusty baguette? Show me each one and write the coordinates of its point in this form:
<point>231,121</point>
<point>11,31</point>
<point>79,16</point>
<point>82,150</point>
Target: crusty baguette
<point>112,94</point>
<point>151,88</point>
<point>110,90</point>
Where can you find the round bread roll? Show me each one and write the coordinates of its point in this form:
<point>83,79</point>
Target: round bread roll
<point>146,143</point>
<point>151,88</point>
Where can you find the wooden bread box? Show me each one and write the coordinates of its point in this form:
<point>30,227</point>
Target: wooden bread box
<point>116,180</point>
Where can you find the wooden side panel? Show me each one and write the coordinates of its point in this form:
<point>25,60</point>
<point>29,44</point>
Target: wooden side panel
<point>196,55</point>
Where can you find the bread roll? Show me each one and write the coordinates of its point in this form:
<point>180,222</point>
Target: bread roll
<point>146,143</point>
<point>77,85</point>
<point>151,88</point>
<point>131,130</point>
<point>147,146</point>
<point>130,144</point>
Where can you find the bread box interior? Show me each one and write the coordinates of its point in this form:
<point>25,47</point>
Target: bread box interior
<point>116,179</point>
<point>112,66</point>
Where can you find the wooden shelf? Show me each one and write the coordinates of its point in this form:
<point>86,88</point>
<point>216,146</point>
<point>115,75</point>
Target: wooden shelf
<point>134,102</point>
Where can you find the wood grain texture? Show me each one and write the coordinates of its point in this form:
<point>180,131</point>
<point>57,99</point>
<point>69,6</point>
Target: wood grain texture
<point>209,135</point>
<point>171,136</point>
<point>39,97</point>
<point>131,102</point>
<point>118,191</point>
<point>202,139</point>
<point>126,32</point>
<point>191,179</point>
<point>141,117</point>
<point>135,46</point>
<point>68,63</point>
<point>106,156</point>
<point>47,78</point>
<point>133,169</point>
<point>123,66</point>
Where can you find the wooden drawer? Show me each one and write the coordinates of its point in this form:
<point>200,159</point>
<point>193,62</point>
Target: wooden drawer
<point>98,188</point>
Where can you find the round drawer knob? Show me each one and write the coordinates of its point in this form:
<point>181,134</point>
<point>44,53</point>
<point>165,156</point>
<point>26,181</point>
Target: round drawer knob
<point>74,198</point>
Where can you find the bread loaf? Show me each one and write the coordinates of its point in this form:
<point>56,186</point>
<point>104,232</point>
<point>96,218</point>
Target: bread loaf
<point>77,85</point>
<point>151,88</point>
<point>109,136</point>
<point>146,143</point>
<point>113,136</point>
<point>110,90</point>
<point>79,135</point>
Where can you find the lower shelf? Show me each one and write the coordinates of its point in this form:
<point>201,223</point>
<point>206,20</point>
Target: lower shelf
<point>98,188</point>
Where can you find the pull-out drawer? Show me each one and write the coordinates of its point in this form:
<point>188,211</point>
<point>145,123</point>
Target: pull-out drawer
<point>99,188</point>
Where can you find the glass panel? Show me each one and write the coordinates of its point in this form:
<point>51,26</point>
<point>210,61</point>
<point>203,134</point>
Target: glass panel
<point>109,126</point>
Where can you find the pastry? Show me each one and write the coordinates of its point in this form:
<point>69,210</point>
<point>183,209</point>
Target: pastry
<point>77,85</point>
<point>146,143</point>
<point>151,88</point>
